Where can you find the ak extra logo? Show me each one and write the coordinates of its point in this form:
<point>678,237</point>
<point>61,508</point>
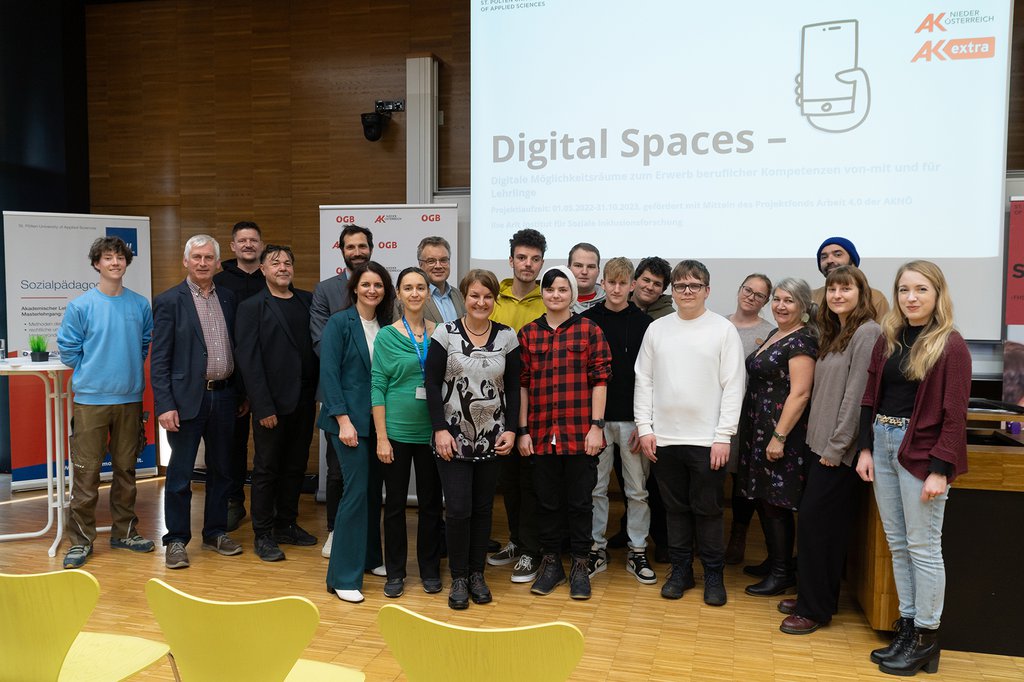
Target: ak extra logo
<point>948,47</point>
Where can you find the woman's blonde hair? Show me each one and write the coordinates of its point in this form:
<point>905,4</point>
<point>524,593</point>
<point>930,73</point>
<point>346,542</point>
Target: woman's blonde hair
<point>929,347</point>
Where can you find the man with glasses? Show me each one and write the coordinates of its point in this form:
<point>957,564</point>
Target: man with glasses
<point>686,402</point>
<point>445,303</point>
<point>836,251</point>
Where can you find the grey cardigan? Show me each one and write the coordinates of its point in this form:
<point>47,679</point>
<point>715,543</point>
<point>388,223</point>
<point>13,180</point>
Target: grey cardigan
<point>839,381</point>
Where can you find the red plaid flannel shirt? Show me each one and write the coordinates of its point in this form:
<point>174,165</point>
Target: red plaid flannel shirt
<point>560,368</point>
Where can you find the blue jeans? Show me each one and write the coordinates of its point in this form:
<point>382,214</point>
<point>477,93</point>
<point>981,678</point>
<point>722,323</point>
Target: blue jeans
<point>913,530</point>
<point>215,426</point>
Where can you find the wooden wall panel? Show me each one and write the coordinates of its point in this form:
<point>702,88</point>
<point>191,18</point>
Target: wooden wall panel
<point>249,110</point>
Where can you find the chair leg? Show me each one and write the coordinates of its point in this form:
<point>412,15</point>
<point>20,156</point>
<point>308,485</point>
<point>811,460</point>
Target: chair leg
<point>174,667</point>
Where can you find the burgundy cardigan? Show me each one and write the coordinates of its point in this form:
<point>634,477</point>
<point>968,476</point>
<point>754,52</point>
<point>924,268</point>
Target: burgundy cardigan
<point>938,424</point>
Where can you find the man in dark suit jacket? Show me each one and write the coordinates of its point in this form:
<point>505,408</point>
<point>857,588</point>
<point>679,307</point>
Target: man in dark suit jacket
<point>191,370</point>
<point>274,352</point>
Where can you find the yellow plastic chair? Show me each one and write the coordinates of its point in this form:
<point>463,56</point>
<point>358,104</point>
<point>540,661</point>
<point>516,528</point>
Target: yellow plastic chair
<point>41,618</point>
<point>432,651</point>
<point>253,640</point>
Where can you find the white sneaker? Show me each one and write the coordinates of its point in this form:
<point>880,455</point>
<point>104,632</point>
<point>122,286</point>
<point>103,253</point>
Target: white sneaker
<point>351,596</point>
<point>326,551</point>
<point>380,571</point>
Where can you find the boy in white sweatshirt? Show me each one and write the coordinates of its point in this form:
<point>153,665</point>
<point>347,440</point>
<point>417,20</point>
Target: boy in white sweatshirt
<point>686,402</point>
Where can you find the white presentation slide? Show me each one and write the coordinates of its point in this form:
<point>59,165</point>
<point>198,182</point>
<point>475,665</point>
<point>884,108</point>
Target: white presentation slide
<point>744,133</point>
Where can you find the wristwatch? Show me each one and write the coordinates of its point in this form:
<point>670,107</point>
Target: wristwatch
<point>599,423</point>
<point>779,437</point>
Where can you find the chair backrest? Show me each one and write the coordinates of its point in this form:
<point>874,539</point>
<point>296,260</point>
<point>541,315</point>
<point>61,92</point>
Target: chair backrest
<point>213,640</point>
<point>430,650</point>
<point>40,616</point>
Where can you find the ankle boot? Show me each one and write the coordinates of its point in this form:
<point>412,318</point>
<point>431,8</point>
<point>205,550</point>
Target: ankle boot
<point>737,544</point>
<point>920,653</point>
<point>902,632</point>
<point>780,552</point>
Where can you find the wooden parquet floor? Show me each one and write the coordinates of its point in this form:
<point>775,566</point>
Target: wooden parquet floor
<point>631,633</point>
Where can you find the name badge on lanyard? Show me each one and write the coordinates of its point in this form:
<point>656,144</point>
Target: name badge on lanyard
<point>421,355</point>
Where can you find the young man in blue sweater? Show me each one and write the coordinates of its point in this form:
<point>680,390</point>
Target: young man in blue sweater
<point>105,337</point>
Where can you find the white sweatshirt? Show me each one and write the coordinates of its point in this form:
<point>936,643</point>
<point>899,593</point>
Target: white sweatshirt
<point>690,380</point>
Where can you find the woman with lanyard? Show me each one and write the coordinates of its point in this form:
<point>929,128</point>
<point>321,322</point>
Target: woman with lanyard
<point>473,395</point>
<point>913,444</point>
<point>399,399</point>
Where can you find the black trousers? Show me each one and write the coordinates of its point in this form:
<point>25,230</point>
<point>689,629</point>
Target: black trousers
<point>568,478</point>
<point>823,534</point>
<point>517,489</point>
<point>278,466</point>
<point>469,505</point>
<point>239,459</point>
<point>692,493</point>
<point>428,495</point>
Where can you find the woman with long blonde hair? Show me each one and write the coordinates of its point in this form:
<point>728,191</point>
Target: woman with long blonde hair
<point>912,445</point>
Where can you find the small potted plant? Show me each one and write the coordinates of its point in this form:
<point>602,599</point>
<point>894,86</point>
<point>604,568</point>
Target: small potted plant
<point>37,344</point>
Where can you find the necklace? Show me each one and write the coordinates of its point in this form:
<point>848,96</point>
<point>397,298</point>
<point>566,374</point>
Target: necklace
<point>465,323</point>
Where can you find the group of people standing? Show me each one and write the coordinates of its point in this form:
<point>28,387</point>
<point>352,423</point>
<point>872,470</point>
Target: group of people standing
<point>543,383</point>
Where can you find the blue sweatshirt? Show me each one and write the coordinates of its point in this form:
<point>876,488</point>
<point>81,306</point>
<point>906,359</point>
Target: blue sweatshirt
<point>106,340</point>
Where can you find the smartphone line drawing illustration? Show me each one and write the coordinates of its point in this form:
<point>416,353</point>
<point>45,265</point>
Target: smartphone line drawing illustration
<point>825,50</point>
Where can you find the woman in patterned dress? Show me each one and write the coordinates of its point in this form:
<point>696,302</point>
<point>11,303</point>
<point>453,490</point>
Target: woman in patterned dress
<point>773,425</point>
<point>472,382</point>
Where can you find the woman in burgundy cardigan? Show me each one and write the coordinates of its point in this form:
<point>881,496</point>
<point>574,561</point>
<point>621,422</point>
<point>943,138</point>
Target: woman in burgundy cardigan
<point>912,445</point>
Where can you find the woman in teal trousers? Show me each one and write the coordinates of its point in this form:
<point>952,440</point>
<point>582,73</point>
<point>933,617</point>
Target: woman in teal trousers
<point>346,352</point>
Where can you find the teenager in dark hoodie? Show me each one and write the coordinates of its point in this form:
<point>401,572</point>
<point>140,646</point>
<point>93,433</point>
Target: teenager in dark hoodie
<point>624,325</point>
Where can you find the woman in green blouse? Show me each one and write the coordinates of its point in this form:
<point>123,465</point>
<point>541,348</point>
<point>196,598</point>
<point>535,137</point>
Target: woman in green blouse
<point>402,421</point>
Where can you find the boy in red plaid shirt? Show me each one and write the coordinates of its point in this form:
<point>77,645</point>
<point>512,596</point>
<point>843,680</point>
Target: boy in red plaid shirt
<point>566,364</point>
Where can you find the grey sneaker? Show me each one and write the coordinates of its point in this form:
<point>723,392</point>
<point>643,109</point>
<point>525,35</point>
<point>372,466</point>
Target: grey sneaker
<point>222,545</point>
<point>135,543</point>
<point>508,554</point>
<point>637,564</point>
<point>525,570</point>
<point>77,556</point>
<point>597,561</point>
<point>176,557</point>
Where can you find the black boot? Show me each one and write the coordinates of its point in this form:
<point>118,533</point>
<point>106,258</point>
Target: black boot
<point>550,575</point>
<point>779,535</point>
<point>921,652</point>
<point>902,632</point>
<point>759,570</point>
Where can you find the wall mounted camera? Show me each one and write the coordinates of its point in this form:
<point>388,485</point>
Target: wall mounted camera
<point>374,122</point>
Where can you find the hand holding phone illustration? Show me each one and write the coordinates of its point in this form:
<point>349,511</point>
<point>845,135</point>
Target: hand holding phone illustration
<point>832,91</point>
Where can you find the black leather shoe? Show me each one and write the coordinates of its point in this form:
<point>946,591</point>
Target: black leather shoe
<point>458,596</point>
<point>777,582</point>
<point>267,549</point>
<point>678,581</point>
<point>478,590</point>
<point>921,652</point>
<point>431,585</point>
<point>294,535</point>
<point>394,588</point>
<point>902,632</point>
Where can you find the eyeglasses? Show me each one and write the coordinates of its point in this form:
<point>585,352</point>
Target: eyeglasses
<point>750,293</point>
<point>431,262</point>
<point>683,288</point>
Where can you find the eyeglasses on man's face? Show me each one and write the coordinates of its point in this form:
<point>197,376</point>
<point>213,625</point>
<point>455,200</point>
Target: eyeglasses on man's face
<point>431,262</point>
<point>688,287</point>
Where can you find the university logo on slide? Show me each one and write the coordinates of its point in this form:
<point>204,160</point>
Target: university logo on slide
<point>129,235</point>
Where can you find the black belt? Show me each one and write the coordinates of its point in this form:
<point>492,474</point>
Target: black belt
<point>216,384</point>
